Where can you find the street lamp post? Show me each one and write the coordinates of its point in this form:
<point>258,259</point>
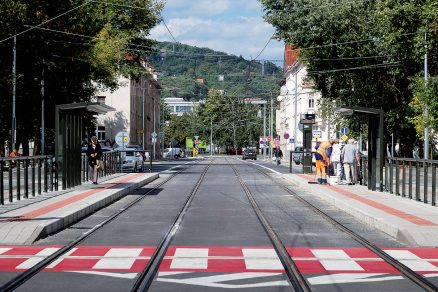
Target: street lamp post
<point>14,91</point>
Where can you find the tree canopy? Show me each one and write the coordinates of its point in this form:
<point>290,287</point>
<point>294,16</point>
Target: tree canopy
<point>366,53</point>
<point>80,45</point>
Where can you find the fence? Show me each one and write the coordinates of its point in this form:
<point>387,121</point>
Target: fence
<point>25,176</point>
<point>407,177</point>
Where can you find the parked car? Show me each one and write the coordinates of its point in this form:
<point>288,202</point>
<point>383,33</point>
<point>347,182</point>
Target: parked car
<point>249,154</point>
<point>132,160</point>
<point>298,157</point>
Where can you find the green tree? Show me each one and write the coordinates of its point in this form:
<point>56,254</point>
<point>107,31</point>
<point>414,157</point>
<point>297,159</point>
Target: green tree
<point>349,50</point>
<point>80,51</point>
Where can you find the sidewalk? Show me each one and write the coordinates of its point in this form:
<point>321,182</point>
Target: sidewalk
<point>407,220</point>
<point>25,221</point>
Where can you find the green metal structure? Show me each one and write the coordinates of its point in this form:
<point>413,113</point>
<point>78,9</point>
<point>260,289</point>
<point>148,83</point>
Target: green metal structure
<point>68,138</point>
<point>376,153</point>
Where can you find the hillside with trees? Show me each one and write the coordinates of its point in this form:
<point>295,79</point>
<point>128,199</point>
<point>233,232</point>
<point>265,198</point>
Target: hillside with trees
<point>190,72</point>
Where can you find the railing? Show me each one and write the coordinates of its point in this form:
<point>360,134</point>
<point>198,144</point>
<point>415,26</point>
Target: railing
<point>20,183</point>
<point>412,178</point>
<point>25,176</point>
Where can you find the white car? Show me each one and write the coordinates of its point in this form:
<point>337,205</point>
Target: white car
<point>132,160</point>
<point>171,152</point>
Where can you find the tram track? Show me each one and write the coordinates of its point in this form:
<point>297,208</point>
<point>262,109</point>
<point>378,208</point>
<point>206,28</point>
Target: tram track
<point>295,277</point>
<point>416,278</point>
<point>23,277</point>
<point>148,274</point>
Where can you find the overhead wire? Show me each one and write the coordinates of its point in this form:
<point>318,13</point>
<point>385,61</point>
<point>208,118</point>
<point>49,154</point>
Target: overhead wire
<point>46,21</point>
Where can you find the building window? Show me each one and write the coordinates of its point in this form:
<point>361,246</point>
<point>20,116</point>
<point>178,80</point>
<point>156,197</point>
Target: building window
<point>101,133</point>
<point>311,100</point>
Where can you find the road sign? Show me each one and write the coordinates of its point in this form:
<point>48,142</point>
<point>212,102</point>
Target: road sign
<point>154,140</point>
<point>316,134</point>
<point>344,131</point>
<point>196,142</point>
<point>122,138</point>
<point>286,136</point>
<point>154,135</point>
<point>140,131</point>
<point>344,137</point>
<point>291,140</point>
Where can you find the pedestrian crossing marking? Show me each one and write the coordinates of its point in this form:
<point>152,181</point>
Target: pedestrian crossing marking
<point>214,259</point>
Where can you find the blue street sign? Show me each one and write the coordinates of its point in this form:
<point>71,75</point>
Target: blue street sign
<point>344,131</point>
<point>291,140</point>
<point>197,147</point>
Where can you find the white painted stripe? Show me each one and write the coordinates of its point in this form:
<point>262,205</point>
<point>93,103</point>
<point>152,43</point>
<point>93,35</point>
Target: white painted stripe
<point>57,261</point>
<point>351,278</point>
<point>118,258</point>
<point>190,258</point>
<point>411,260</point>
<point>261,259</point>
<point>274,171</point>
<point>114,275</point>
<point>213,281</point>
<point>35,259</point>
<point>336,260</point>
<point>4,249</point>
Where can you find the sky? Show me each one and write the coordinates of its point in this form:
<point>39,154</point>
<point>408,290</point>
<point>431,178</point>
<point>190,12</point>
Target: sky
<point>232,26</point>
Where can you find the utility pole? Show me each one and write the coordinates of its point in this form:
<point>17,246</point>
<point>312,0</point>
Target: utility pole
<point>211,137</point>
<point>264,131</point>
<point>154,138</point>
<point>42,114</point>
<point>271,116</point>
<point>142,109</point>
<point>426,128</point>
<point>296,111</point>
<point>14,91</point>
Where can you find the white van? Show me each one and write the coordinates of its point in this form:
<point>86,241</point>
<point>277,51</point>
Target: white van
<point>171,152</point>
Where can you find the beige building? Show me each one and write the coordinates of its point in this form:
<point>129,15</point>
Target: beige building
<point>137,105</point>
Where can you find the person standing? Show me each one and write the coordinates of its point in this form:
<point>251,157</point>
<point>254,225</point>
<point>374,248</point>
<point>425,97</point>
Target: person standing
<point>322,156</point>
<point>94,152</point>
<point>335,159</point>
<point>350,158</point>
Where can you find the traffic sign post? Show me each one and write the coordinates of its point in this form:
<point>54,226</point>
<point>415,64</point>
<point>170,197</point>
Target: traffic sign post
<point>122,139</point>
<point>344,131</point>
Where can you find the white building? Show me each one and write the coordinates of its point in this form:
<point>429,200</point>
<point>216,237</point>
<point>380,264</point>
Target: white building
<point>137,105</point>
<point>297,97</point>
<point>178,106</point>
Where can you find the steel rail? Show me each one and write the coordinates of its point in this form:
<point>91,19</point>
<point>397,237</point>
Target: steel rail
<point>146,277</point>
<point>19,280</point>
<point>413,276</point>
<point>295,277</point>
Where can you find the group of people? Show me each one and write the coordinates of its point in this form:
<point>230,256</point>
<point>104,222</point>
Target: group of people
<point>343,158</point>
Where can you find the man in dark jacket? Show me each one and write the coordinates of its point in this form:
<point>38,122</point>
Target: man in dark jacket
<point>94,153</point>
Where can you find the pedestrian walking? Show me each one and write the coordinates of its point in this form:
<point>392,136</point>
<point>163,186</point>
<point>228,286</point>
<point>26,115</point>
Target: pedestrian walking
<point>335,159</point>
<point>278,155</point>
<point>94,152</point>
<point>322,156</point>
<point>350,158</point>
<point>14,153</point>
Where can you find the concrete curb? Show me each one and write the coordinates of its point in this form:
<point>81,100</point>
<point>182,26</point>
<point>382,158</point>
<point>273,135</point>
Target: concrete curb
<point>47,228</point>
<point>366,214</point>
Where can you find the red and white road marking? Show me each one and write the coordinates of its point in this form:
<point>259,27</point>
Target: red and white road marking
<point>180,259</point>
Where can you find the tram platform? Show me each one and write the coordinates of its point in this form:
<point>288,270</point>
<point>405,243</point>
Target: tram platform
<point>25,221</point>
<point>412,222</point>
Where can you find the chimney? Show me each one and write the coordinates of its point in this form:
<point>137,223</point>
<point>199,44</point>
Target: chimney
<point>101,99</point>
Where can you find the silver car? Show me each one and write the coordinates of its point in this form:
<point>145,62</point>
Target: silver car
<point>132,160</point>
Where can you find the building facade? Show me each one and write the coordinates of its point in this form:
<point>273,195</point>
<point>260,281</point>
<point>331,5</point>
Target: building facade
<point>297,97</point>
<point>178,106</point>
<point>137,105</point>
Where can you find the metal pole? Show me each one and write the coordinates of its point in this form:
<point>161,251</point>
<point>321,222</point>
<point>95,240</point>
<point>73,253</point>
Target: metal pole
<point>211,137</point>
<point>142,118</point>
<point>426,128</point>
<point>264,131</point>
<point>14,91</point>
<point>154,138</point>
<point>271,116</point>
<point>296,111</point>
<point>42,114</point>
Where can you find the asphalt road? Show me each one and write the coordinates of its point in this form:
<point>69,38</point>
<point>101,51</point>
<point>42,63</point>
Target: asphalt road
<point>220,243</point>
